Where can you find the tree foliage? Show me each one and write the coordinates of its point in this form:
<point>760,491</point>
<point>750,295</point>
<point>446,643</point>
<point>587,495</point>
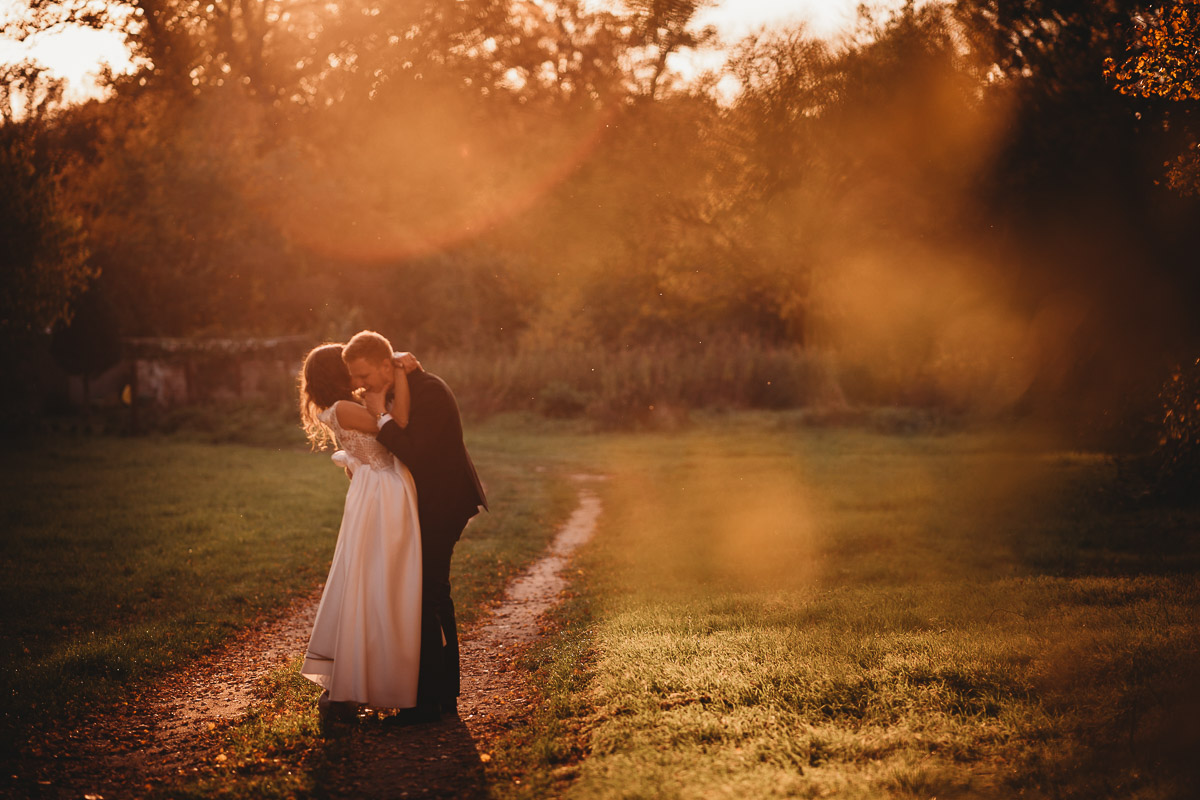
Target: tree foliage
<point>1162,62</point>
<point>45,263</point>
<point>27,91</point>
<point>954,199</point>
<point>1177,456</point>
<point>1162,57</point>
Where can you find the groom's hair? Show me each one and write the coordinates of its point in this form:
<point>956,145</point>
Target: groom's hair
<point>369,345</point>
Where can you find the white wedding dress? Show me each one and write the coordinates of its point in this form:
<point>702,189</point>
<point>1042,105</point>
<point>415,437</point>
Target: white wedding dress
<point>366,639</point>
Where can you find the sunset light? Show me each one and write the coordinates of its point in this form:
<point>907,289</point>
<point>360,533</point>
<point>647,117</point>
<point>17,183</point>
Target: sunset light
<point>78,53</point>
<point>593,399</point>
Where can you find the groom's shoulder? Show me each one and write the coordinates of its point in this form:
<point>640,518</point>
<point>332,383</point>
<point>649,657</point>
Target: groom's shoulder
<point>427,382</point>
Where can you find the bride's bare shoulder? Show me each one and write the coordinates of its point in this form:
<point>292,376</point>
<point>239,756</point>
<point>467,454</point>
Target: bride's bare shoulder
<point>354,417</point>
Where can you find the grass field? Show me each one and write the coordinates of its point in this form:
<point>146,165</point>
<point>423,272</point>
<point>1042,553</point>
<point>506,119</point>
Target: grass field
<point>128,558</point>
<point>768,609</point>
<point>776,611</point>
<point>124,557</point>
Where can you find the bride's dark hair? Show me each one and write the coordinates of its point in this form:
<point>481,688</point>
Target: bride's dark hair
<point>324,380</point>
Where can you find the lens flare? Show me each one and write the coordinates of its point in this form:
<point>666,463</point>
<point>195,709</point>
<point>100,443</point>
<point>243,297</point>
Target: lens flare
<point>421,174</point>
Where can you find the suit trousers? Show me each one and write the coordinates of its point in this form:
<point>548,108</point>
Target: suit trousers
<point>439,679</point>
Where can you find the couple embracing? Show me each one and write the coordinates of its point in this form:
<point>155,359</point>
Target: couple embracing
<point>385,634</point>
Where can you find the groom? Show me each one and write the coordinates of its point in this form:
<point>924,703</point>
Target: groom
<point>448,495</point>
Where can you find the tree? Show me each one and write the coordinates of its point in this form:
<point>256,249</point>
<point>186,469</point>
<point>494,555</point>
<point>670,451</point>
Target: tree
<point>44,263</point>
<point>289,52</point>
<point>1162,62</point>
<point>658,29</point>
<point>89,343</point>
<point>28,92</point>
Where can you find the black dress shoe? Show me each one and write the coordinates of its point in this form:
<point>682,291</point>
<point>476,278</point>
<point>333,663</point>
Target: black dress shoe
<point>420,715</point>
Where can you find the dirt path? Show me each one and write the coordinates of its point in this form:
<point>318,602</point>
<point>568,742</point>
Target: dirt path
<point>164,735</point>
<point>443,760</point>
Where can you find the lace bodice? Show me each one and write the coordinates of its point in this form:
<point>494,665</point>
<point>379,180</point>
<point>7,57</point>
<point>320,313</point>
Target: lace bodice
<point>362,446</point>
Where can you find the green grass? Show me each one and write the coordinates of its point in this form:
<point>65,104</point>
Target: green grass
<point>769,608</point>
<point>778,611</point>
<point>127,558</point>
<point>274,751</point>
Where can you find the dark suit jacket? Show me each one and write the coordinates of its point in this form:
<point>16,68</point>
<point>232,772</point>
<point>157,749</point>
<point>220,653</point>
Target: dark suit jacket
<point>448,489</point>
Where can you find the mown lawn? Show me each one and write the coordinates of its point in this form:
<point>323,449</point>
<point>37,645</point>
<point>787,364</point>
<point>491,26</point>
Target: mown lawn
<point>768,609</point>
<point>123,557</point>
<point>771,610</point>
<point>127,558</point>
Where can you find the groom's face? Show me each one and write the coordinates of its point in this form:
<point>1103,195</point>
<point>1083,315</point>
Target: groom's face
<point>374,376</point>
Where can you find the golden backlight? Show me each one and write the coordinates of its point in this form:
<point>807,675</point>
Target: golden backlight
<point>413,177</point>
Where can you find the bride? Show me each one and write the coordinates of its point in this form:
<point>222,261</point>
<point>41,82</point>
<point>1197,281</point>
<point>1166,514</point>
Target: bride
<point>365,642</point>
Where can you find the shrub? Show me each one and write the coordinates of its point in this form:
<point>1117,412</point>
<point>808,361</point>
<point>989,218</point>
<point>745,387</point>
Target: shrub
<point>561,400</point>
<point>255,422</point>
<point>1177,455</point>
<point>635,387</point>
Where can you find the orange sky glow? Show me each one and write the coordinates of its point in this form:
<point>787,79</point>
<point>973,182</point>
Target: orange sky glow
<point>77,54</point>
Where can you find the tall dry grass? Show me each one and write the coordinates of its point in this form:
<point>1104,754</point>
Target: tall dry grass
<point>652,384</point>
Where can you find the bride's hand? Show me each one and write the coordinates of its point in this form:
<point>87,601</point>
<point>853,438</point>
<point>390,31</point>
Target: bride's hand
<point>374,402</point>
<point>406,362</point>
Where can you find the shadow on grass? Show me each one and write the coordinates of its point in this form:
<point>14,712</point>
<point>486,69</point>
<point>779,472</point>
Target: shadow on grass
<point>1124,676</point>
<point>1095,529</point>
<point>430,761</point>
<point>1143,744</point>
